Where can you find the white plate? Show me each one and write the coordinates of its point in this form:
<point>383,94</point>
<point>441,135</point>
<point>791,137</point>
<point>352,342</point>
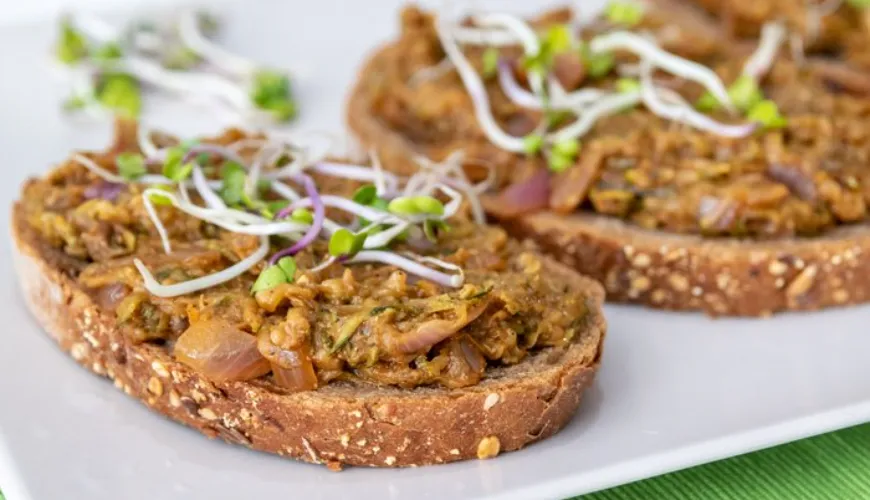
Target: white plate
<point>675,390</point>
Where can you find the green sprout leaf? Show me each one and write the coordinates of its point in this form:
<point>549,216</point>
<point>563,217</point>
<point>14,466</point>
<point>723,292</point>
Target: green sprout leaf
<point>344,243</point>
<point>403,205</point>
<point>271,208</point>
<point>432,228</point>
<point>120,92</point>
<point>71,46</point>
<point>173,168</point>
<point>532,143</point>
<point>131,166</point>
<point>598,64</point>
<point>767,114</point>
<point>76,102</point>
<point>179,58</point>
<point>412,205</point>
<point>558,38</point>
<point>428,205</point>
<point>269,278</point>
<point>159,199</point>
<point>233,187</point>
<point>745,93</point>
<point>707,103</point>
<point>271,92</point>
<point>365,195</point>
<point>626,85</point>
<point>177,172</point>
<point>108,52</point>
<point>490,62</point>
<point>288,265</point>
<point>624,13</point>
<point>556,117</point>
<point>559,163</point>
<point>859,4</point>
<point>302,215</point>
<point>567,147</point>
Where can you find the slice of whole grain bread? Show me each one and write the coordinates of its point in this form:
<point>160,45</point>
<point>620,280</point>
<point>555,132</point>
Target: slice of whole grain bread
<point>341,423</point>
<point>663,270</point>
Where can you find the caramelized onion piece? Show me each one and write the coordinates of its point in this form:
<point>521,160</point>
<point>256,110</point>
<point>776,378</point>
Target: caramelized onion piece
<point>220,351</point>
<point>466,365</point>
<point>795,179</point>
<point>530,195</point>
<point>716,214</point>
<point>431,332</point>
<point>291,368</point>
<point>299,377</point>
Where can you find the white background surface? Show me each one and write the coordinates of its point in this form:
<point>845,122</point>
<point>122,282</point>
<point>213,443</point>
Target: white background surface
<point>675,390</point>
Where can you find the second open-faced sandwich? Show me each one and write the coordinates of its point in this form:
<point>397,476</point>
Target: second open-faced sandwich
<point>681,171</point>
<point>330,312</point>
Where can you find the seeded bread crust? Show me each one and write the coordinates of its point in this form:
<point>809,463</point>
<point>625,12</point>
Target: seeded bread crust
<point>720,277</point>
<point>723,277</point>
<point>338,424</point>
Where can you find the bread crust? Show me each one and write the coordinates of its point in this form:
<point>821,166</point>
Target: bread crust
<point>723,277</point>
<point>338,424</point>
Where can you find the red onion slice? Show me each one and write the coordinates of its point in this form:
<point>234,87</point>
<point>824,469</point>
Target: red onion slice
<point>104,190</point>
<point>432,332</point>
<point>316,225</point>
<point>530,195</point>
<point>220,351</point>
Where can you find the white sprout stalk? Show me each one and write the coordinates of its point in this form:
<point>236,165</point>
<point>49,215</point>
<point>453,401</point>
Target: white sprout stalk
<point>416,268</point>
<point>514,91</point>
<point>561,99</point>
<point>524,33</point>
<point>380,180</point>
<point>760,62</point>
<point>256,168</point>
<point>796,47</point>
<point>185,195</point>
<point>358,173</point>
<point>184,83</point>
<point>488,37</point>
<point>285,191</point>
<point>211,199</point>
<point>452,206</point>
<point>188,30</point>
<point>97,170</point>
<point>323,265</point>
<point>477,92</point>
<point>383,238</point>
<point>605,106</point>
<point>680,112</point>
<point>230,219</point>
<point>146,145</point>
<point>152,213</point>
<point>211,280</point>
<point>95,28</point>
<point>148,179</point>
<point>354,208</point>
<point>649,51</point>
<point>449,266</point>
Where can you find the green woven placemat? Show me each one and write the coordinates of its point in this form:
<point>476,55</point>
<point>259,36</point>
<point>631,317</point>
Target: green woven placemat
<point>831,466</point>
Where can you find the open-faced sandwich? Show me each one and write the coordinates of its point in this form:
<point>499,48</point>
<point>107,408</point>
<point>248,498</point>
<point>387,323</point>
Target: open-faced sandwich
<point>641,148</point>
<point>326,311</point>
<point>828,28</point>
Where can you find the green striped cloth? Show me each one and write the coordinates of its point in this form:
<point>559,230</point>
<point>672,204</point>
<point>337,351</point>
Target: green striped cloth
<point>835,466</point>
